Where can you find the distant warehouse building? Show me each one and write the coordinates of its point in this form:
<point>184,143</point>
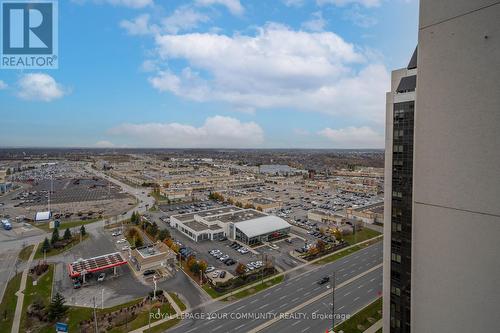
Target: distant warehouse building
<point>5,185</point>
<point>248,226</point>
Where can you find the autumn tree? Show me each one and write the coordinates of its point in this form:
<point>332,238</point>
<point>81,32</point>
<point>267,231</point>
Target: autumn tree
<point>240,269</point>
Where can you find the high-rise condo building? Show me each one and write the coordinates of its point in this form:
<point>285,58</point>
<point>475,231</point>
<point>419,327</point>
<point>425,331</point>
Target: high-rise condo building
<point>442,191</point>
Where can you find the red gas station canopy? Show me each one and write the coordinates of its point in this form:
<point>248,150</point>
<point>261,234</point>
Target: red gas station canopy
<point>96,264</point>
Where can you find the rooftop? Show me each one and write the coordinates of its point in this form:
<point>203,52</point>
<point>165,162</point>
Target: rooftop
<point>262,225</point>
<point>237,216</point>
<point>204,213</point>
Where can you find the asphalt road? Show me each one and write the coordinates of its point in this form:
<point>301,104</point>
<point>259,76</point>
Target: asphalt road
<point>316,317</point>
<point>293,292</point>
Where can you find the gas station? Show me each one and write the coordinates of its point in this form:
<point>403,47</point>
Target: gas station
<point>82,267</point>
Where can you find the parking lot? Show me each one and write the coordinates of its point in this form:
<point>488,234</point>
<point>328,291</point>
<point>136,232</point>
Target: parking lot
<point>69,190</point>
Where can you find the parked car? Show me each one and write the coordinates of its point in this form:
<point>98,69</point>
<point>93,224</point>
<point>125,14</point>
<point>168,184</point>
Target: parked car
<point>222,274</point>
<point>210,269</point>
<point>101,277</point>
<point>148,272</point>
<point>120,241</point>
<point>230,262</point>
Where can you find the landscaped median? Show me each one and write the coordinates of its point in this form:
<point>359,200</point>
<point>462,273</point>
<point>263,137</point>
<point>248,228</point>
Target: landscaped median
<point>363,319</point>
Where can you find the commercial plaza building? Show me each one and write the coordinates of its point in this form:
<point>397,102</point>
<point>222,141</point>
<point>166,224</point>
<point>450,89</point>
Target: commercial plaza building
<point>442,182</point>
<point>248,226</point>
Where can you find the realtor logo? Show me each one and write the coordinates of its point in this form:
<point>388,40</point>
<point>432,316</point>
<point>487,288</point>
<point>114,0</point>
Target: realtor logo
<point>29,34</point>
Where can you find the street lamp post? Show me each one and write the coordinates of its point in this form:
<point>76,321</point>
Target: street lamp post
<point>333,302</point>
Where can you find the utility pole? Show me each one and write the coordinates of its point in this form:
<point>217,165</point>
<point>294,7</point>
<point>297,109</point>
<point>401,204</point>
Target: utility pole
<point>264,263</point>
<point>333,302</point>
<point>95,316</point>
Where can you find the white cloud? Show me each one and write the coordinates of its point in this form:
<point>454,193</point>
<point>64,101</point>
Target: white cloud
<point>138,26</point>
<point>41,87</point>
<point>216,132</point>
<point>366,3</point>
<point>3,85</point>
<point>126,3</point>
<point>316,23</point>
<point>293,3</point>
<point>353,137</point>
<point>104,144</point>
<point>276,68</point>
<point>183,18</point>
<point>355,16</point>
<point>234,6</point>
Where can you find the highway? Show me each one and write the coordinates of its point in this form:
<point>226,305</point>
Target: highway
<point>295,291</point>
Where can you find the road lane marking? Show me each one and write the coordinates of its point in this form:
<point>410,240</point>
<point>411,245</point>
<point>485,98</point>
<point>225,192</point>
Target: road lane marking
<point>237,328</point>
<point>369,291</point>
<point>255,300</point>
<point>295,299</point>
<point>263,306</point>
<point>241,307</point>
<point>357,298</point>
<point>283,297</point>
<point>295,323</point>
<point>312,300</point>
<point>306,329</point>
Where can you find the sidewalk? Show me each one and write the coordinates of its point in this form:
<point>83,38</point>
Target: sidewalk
<point>20,293</point>
<point>172,302</point>
<point>375,327</point>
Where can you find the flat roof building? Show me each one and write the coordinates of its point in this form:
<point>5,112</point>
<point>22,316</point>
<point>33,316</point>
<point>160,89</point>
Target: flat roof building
<point>246,225</point>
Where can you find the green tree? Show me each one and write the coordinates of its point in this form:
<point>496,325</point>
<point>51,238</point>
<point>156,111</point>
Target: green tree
<point>164,234</point>
<point>139,242</point>
<point>46,245</point>
<point>55,236</point>
<point>57,309</point>
<point>195,267</point>
<point>67,234</point>
<point>83,232</point>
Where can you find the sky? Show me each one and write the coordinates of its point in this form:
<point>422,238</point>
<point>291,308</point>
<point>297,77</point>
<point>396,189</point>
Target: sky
<point>213,74</point>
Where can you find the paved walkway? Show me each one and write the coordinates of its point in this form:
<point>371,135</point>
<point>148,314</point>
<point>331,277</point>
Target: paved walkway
<point>20,293</point>
<point>172,302</point>
<point>375,327</point>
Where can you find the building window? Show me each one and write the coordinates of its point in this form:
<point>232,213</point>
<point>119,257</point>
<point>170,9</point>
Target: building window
<point>396,291</point>
<point>396,257</point>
